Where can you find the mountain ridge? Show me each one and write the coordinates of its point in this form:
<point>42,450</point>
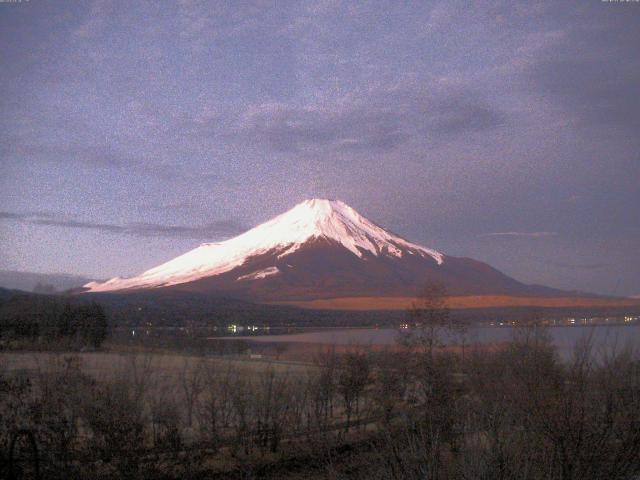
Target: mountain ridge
<point>320,249</point>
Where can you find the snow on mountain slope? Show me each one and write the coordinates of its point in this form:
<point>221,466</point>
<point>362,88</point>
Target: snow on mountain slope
<point>286,233</point>
<point>267,272</point>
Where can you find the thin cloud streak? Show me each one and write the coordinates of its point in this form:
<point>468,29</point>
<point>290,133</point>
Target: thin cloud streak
<point>520,234</point>
<point>217,229</point>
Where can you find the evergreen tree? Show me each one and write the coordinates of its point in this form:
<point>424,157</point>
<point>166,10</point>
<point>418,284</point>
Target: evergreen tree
<point>98,325</point>
<point>66,322</point>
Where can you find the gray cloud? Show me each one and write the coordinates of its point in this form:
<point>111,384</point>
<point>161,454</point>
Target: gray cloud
<point>599,92</point>
<point>463,113</point>
<point>377,122</point>
<point>287,128</point>
<point>216,229</point>
<point>594,71</point>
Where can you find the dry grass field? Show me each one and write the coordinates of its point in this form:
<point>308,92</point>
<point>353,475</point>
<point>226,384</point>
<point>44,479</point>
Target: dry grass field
<point>158,368</point>
<point>462,302</point>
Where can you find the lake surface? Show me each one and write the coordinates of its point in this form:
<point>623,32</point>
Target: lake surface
<point>564,337</point>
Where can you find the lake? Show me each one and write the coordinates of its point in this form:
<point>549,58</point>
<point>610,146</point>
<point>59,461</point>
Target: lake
<point>564,337</point>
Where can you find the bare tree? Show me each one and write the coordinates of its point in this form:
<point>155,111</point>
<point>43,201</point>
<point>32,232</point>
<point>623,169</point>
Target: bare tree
<point>165,422</point>
<point>354,376</point>
<point>272,405</point>
<point>114,415</point>
<point>216,409</point>
<point>429,320</point>
<point>391,378</point>
<point>192,382</point>
<point>241,392</point>
<point>138,370</point>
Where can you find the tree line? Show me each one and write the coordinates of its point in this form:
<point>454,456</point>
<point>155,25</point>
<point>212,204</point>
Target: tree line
<point>52,320</point>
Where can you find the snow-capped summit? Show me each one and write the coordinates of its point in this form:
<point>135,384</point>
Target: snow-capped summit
<point>335,220</point>
<point>311,220</point>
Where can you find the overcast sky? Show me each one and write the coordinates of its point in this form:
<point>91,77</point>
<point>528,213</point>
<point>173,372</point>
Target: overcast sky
<point>506,131</point>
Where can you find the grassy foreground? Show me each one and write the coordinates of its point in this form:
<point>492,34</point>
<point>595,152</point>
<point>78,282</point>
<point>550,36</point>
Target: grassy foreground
<point>413,412</point>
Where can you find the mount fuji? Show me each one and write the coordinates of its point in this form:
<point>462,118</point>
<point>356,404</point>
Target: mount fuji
<point>320,249</point>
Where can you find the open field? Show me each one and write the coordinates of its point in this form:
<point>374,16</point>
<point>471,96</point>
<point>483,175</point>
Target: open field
<point>169,367</point>
<point>462,302</point>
